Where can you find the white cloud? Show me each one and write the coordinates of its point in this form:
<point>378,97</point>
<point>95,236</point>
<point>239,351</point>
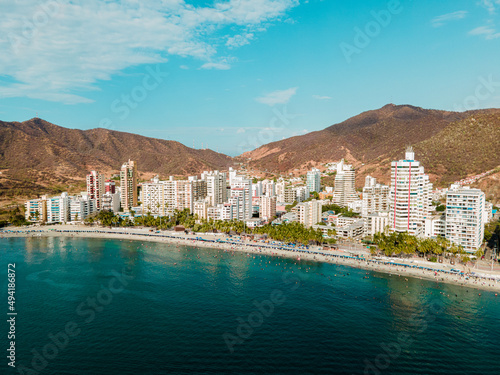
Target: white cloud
<point>239,40</point>
<point>488,32</point>
<point>55,50</point>
<point>185,67</point>
<point>216,66</point>
<point>443,19</point>
<point>321,97</point>
<point>490,5</point>
<point>277,97</point>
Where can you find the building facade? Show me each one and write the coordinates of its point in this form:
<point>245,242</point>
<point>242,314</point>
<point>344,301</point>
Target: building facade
<point>345,190</point>
<point>464,217</point>
<point>128,185</point>
<point>410,195</point>
<point>96,187</point>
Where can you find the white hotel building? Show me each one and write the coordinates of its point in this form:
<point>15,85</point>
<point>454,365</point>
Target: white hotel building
<point>464,217</point>
<point>410,195</point>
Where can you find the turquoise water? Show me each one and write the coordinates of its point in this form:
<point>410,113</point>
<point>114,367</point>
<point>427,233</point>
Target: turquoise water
<point>146,308</point>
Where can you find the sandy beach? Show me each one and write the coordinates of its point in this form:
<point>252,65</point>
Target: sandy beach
<point>413,267</point>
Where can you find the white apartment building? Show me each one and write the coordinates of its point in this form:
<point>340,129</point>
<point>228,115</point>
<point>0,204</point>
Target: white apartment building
<point>48,209</point>
<point>128,185</point>
<point>242,200</point>
<point>111,202</point>
<point>58,209</point>
<point>268,188</point>
<point>355,206</point>
<point>80,207</point>
<point>289,195</point>
<point>314,180</point>
<point>464,217</point>
<point>301,193</point>
<point>280,188</point>
<point>435,225</point>
<point>267,208</point>
<point>216,186</point>
<point>201,209</point>
<point>36,210</point>
<point>96,187</point>
<point>163,197</point>
<point>242,187</point>
<point>410,195</point>
<point>376,223</point>
<point>257,189</point>
<point>309,213</point>
<point>345,190</point>
<point>375,197</point>
<point>354,230</point>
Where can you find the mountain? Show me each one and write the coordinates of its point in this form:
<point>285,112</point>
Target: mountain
<point>451,145</point>
<point>39,157</point>
<point>36,154</point>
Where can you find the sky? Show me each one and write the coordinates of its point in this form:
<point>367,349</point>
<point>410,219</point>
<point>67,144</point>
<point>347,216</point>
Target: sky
<point>232,75</point>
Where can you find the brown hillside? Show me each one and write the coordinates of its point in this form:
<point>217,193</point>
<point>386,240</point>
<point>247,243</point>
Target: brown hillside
<point>451,145</point>
<point>37,153</point>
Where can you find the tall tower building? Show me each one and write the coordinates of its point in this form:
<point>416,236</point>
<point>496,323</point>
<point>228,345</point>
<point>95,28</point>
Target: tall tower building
<point>95,187</point>
<point>128,185</point>
<point>345,190</point>
<point>410,195</point>
<point>267,208</point>
<point>375,197</point>
<point>216,187</point>
<point>242,187</point>
<point>464,217</point>
<point>314,180</point>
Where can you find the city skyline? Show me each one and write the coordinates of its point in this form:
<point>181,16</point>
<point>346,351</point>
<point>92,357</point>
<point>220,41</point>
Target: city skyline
<point>215,74</point>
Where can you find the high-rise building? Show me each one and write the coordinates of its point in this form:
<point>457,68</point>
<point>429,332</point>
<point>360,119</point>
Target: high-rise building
<point>95,187</point>
<point>267,208</point>
<point>268,188</point>
<point>128,185</point>
<point>464,217</point>
<point>309,213</point>
<point>111,201</point>
<point>163,197</point>
<point>410,195</point>
<point>376,222</point>
<point>289,195</point>
<point>58,209</point>
<point>109,186</point>
<point>314,180</point>
<point>36,210</point>
<point>375,197</point>
<point>301,193</point>
<point>80,207</point>
<point>242,187</point>
<point>345,190</point>
<point>216,187</point>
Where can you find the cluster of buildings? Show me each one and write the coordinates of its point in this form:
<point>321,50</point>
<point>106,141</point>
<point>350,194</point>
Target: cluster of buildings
<point>406,205</point>
<point>101,194</point>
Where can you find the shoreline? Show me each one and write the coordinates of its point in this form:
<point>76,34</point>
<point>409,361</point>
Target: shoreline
<point>418,269</point>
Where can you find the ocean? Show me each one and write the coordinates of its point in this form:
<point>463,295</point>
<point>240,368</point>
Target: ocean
<point>92,306</point>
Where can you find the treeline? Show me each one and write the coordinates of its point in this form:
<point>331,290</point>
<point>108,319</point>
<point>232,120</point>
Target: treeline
<point>290,232</point>
<point>405,245</point>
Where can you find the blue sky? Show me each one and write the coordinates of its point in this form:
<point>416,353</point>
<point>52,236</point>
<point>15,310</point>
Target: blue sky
<point>233,75</point>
